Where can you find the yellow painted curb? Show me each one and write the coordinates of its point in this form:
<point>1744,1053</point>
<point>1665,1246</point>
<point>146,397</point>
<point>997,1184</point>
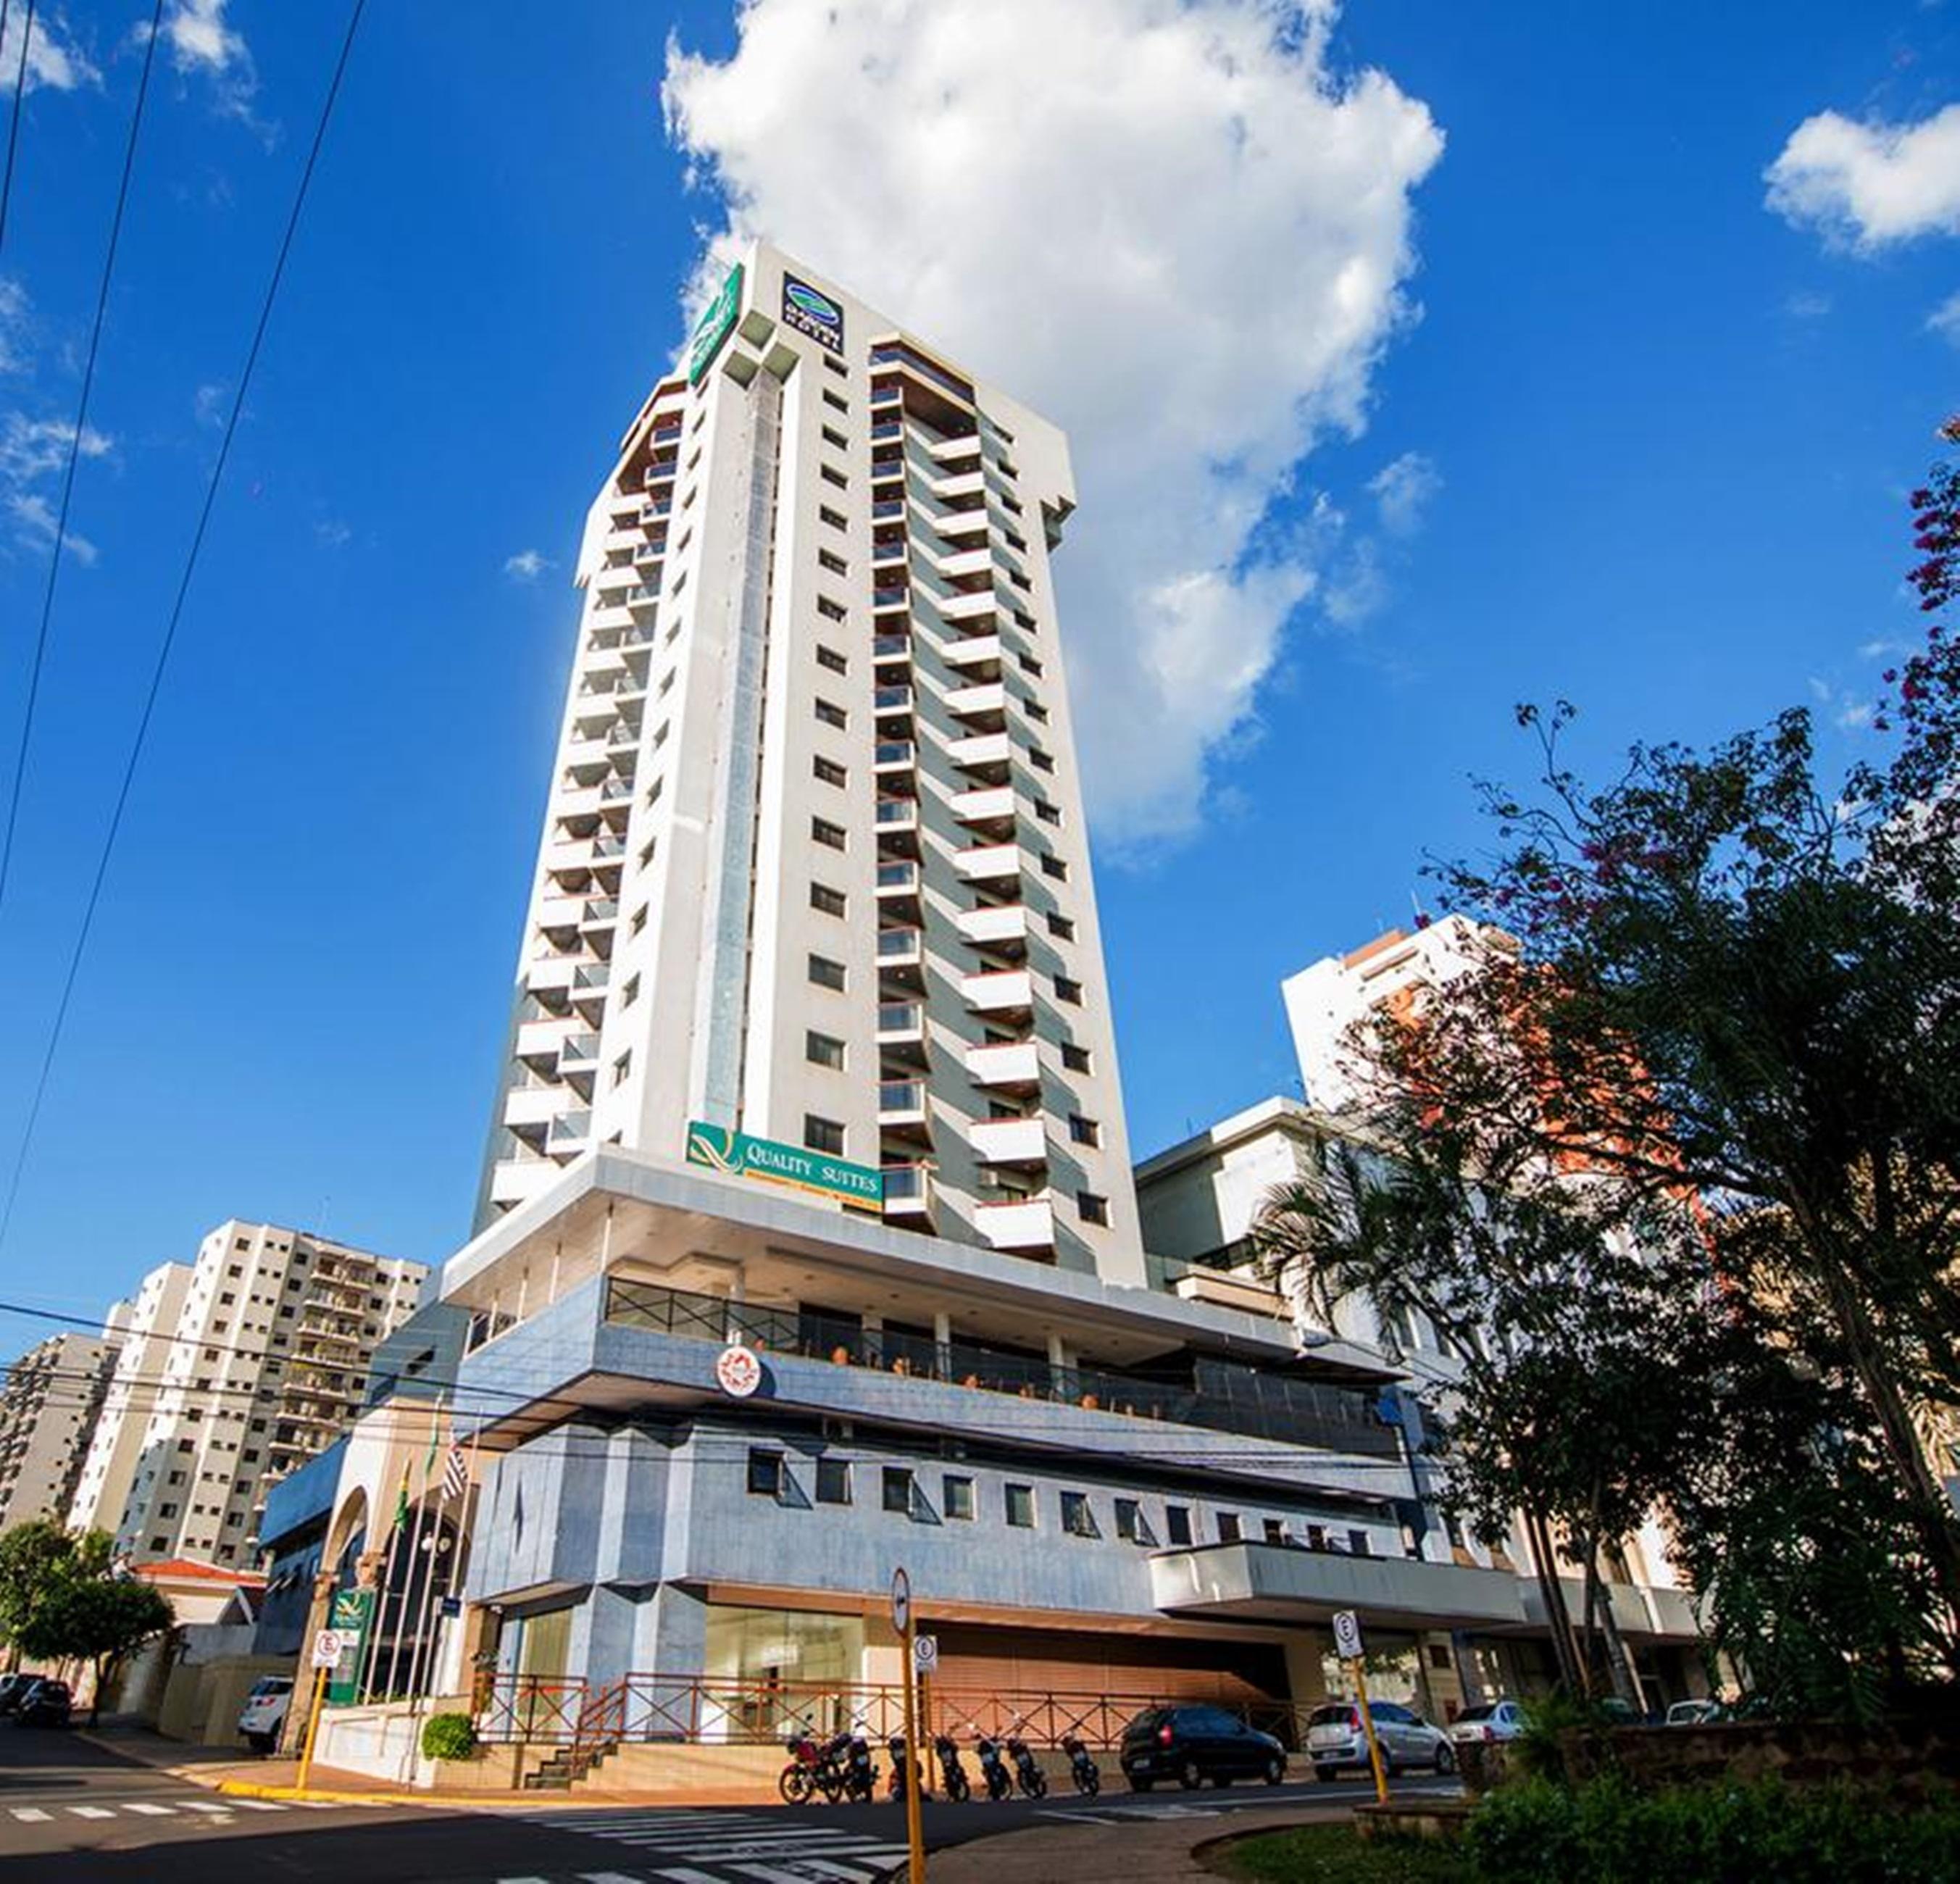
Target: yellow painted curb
<point>246,1789</point>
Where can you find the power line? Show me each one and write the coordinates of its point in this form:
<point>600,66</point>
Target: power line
<point>177,612</point>
<point>75,443</point>
<point>14,124</point>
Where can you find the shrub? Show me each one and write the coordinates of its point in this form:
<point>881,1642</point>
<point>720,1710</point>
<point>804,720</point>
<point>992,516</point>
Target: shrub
<point>1603,1833</point>
<point>448,1736</point>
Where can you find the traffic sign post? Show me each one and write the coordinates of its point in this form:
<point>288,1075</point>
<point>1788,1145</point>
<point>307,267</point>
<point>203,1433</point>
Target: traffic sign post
<point>902,1620</point>
<point>1347,1645</point>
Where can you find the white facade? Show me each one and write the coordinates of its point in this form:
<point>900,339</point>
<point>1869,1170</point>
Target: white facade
<point>814,864</point>
<point>47,1409</point>
<point>236,1369</point>
<point>1326,1002</point>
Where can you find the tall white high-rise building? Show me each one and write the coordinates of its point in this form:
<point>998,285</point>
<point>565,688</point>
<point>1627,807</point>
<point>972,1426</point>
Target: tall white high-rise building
<point>234,1369</point>
<point>49,1402</point>
<point>815,866</point>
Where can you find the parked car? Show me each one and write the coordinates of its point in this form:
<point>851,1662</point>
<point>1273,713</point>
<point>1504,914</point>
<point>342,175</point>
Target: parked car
<point>263,1717</point>
<point>1495,1720</point>
<point>1336,1740</point>
<point>1694,1713</point>
<point>1191,1745</point>
<point>13,1691</point>
<point>48,1703</point>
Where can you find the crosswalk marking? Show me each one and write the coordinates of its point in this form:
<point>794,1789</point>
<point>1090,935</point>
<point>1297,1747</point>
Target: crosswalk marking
<point>92,1812</point>
<point>206,1805</point>
<point>33,1815</point>
<point>149,1809</point>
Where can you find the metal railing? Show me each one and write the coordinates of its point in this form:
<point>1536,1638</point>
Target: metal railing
<point>693,1710</point>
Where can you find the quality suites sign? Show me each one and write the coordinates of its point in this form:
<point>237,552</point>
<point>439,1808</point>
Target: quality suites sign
<point>736,1154</point>
<point>713,326</point>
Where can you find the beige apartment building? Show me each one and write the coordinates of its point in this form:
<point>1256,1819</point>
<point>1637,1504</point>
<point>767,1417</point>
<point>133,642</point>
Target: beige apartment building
<point>236,1369</point>
<point>48,1405</point>
<point>815,865</point>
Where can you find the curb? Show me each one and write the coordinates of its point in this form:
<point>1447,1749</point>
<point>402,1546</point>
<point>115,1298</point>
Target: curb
<point>249,1789</point>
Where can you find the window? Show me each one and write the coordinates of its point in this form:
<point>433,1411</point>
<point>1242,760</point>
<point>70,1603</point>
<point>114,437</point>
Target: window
<point>829,771</point>
<point>1276,1530</point>
<point>646,854</point>
<point>1029,665</point>
<point>622,1068</point>
<point>630,992</point>
<point>1084,1131</point>
<point>1076,1518</point>
<point>823,1135</point>
<point>824,832</point>
<point>958,1496</point>
<point>666,683</point>
<point>836,366</point>
<point>835,519</point>
<point>835,565</point>
<point>1068,990</point>
<point>825,973</point>
<point>1228,1527</point>
<point>836,401</point>
<point>1040,760</point>
<point>1177,1523</point>
<point>829,657</point>
<point>832,436</point>
<point>832,475</point>
<point>1020,1503</point>
<point>833,1481</point>
<point>1091,1208</point>
<point>831,611</point>
<point>1053,866</point>
<point>1035,710</point>
<point>1075,1059</point>
<point>1439,1656</point>
<point>830,902</point>
<point>639,920</point>
<point>1048,813</point>
<point>831,713</point>
<point>1061,926</point>
<point>1131,1525</point>
<point>897,1483</point>
<point>766,1472</point>
<point>820,1049</point>
<point>1358,1543</point>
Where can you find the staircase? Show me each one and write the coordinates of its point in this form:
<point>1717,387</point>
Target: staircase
<point>566,1767</point>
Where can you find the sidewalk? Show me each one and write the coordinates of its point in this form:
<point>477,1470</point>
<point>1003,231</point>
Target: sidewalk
<point>227,1769</point>
<point>1160,1851</point>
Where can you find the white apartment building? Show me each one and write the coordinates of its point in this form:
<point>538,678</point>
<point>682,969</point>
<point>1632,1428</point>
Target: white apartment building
<point>1325,1002</point>
<point>237,1368</point>
<point>814,865</point>
<point>49,1404</point>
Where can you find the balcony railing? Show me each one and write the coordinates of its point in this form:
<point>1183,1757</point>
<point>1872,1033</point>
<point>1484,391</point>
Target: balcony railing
<point>901,1095</point>
<point>1220,1395</point>
<point>891,648</point>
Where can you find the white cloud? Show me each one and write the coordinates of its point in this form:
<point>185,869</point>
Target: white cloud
<point>33,453</point>
<point>1866,185</point>
<point>526,565</point>
<point>334,532</point>
<point>1806,304</point>
<point>1167,224</point>
<point>208,404</point>
<point>201,41</point>
<point>34,518</point>
<point>1854,715</point>
<point>1945,319</point>
<point>13,321</point>
<point>1402,489</point>
<point>54,61</point>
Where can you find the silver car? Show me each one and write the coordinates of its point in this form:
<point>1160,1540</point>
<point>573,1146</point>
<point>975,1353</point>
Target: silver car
<point>1497,1721</point>
<point>1337,1741</point>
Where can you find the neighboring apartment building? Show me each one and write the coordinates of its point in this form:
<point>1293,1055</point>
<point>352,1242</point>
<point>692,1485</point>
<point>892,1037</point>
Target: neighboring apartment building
<point>48,1405</point>
<point>238,1368</point>
<point>814,878</point>
<point>814,860</point>
<point>1198,1200</point>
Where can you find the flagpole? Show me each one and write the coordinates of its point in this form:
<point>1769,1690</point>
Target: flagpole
<point>422,1656</point>
<point>465,1502</point>
<point>380,1611</point>
<point>414,1545</point>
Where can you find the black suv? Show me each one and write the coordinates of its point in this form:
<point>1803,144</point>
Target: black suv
<point>1192,1745</point>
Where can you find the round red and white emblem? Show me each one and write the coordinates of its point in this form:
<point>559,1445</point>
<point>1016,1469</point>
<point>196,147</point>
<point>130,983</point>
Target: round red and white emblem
<point>737,1372</point>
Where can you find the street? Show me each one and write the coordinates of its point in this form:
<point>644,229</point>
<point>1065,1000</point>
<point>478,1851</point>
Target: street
<point>73,1812</point>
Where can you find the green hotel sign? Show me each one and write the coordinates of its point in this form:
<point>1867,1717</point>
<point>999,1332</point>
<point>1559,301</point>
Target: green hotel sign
<point>736,1154</point>
<point>712,328</point>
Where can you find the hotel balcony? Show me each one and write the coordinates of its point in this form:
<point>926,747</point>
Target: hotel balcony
<point>570,1132</point>
<point>894,760</point>
<point>578,1062</point>
<point>889,650</point>
<point>898,886</point>
<point>902,1108</point>
<point>902,952</point>
<point>1004,993</point>
<point>990,809</point>
<point>908,1192</point>
<point>985,702</point>
<point>1015,1141</point>
<point>959,484</point>
<point>516,1179</point>
<point>889,703</point>
<point>963,564</point>
<point>897,822</point>
<point>1019,1224</point>
<point>985,755</point>
<point>551,975</point>
<point>978,606</point>
<point>902,1029</point>
<point>589,983</point>
<point>530,1110</point>
<point>977,657</point>
<point>1013,1068</point>
<point>559,917</point>
<point>966,446</point>
<point>989,864</point>
<point>1001,926</point>
<point>890,552</point>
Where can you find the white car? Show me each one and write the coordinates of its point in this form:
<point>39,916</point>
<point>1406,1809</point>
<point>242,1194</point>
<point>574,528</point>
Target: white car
<point>1335,1739</point>
<point>263,1718</point>
<point>1497,1721</point>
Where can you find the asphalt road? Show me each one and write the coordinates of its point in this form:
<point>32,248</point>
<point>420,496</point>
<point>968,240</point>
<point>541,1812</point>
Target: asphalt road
<point>71,1811</point>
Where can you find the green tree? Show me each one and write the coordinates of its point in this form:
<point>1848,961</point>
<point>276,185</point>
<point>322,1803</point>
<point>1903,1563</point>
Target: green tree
<point>99,1618</point>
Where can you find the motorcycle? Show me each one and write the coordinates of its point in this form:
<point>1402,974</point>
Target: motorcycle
<point>812,1769</point>
<point>1027,1769</point>
<point>1082,1769</point>
<point>999,1785</point>
<point>953,1781</point>
<point>895,1786</point>
<point>860,1771</point>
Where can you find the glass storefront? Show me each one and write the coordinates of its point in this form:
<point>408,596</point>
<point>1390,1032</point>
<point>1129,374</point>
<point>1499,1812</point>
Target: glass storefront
<point>775,1672</point>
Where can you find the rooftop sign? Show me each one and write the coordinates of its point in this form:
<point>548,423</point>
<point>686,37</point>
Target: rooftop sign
<point>810,311</point>
<point>736,1154</point>
<point>713,327</point>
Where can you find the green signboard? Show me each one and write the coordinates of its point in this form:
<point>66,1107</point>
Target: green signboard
<point>349,1612</point>
<point>713,327</point>
<point>738,1155</point>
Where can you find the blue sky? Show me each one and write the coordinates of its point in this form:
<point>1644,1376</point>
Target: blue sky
<point>1615,429</point>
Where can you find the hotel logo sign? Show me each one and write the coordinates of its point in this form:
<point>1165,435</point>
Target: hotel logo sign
<point>714,325</point>
<point>736,1154</point>
<point>813,313</point>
